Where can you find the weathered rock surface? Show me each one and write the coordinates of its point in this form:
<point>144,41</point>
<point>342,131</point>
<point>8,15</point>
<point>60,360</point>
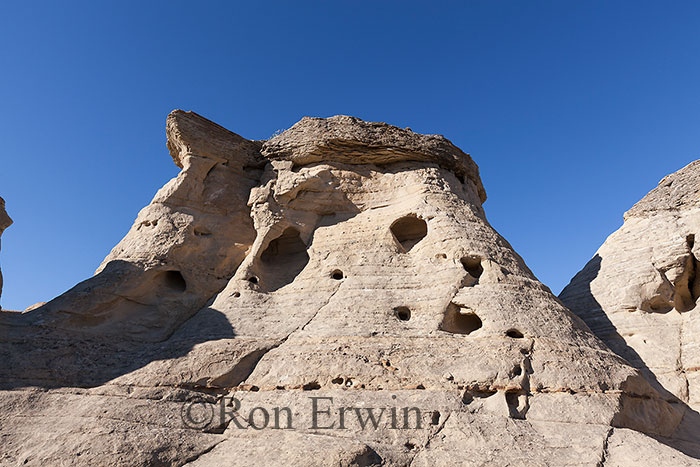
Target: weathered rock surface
<point>5,222</point>
<point>341,259</point>
<point>639,293</point>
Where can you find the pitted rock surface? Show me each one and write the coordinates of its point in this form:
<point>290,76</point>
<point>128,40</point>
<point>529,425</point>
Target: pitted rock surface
<point>341,259</point>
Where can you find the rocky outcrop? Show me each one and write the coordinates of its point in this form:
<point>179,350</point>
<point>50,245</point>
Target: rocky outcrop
<point>182,248</point>
<point>639,293</point>
<point>341,282</point>
<point>5,222</point>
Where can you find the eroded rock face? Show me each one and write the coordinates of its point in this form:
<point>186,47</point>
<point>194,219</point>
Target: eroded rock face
<point>182,248</point>
<point>5,222</point>
<point>639,293</point>
<point>341,259</point>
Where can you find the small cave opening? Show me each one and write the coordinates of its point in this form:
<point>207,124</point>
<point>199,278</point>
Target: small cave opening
<point>460,320</point>
<point>472,264</point>
<point>284,247</point>
<point>253,279</point>
<point>408,231</point>
<point>687,287</point>
<point>337,275</point>
<point>518,404</point>
<point>470,395</point>
<point>403,313</point>
<point>201,232</point>
<point>283,259</point>
<point>514,334</point>
<point>173,280</point>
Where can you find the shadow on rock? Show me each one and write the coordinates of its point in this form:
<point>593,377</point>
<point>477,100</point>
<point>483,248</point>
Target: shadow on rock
<point>56,346</point>
<point>584,304</point>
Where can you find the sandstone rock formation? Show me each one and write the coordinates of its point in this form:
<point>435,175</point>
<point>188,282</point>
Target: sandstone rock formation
<point>5,222</point>
<point>341,259</point>
<point>639,293</point>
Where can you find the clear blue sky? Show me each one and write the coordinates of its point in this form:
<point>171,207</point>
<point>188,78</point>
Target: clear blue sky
<point>573,110</point>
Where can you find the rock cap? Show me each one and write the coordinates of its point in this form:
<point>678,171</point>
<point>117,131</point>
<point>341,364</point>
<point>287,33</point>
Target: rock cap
<point>675,192</point>
<point>353,141</point>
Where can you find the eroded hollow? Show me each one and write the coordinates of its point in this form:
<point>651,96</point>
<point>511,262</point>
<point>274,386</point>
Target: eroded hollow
<point>514,333</point>
<point>460,320</point>
<point>337,275</point>
<point>687,287</point>
<point>518,404</point>
<point>283,259</point>
<point>403,313</point>
<point>472,264</point>
<point>409,230</point>
<point>173,280</point>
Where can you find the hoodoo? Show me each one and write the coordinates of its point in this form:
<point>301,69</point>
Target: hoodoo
<point>331,296</point>
<point>640,290</point>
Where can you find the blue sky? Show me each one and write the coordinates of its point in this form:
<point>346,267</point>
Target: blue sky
<point>573,110</point>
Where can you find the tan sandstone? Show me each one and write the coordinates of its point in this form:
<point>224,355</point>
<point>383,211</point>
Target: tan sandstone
<point>640,290</point>
<point>342,259</point>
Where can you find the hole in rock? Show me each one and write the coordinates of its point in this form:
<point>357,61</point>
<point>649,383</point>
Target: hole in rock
<point>409,446</point>
<point>199,232</point>
<point>659,304</point>
<point>253,280</point>
<point>435,418</point>
<point>517,370</point>
<point>459,320</point>
<point>367,457</point>
<point>284,258</point>
<point>402,313</point>
<point>517,404</point>
<point>687,287</point>
<point>514,333</point>
<point>472,264</point>
<point>312,386</point>
<point>337,274</point>
<point>337,381</point>
<point>173,280</point>
<point>470,395</point>
<point>409,230</point>
<point>236,294</point>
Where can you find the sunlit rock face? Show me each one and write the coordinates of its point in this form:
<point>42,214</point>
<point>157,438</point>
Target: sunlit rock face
<point>639,292</point>
<point>342,278</point>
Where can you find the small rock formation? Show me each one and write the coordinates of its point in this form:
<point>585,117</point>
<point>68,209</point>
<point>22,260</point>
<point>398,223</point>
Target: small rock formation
<point>639,294</point>
<point>5,222</point>
<point>343,265</point>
